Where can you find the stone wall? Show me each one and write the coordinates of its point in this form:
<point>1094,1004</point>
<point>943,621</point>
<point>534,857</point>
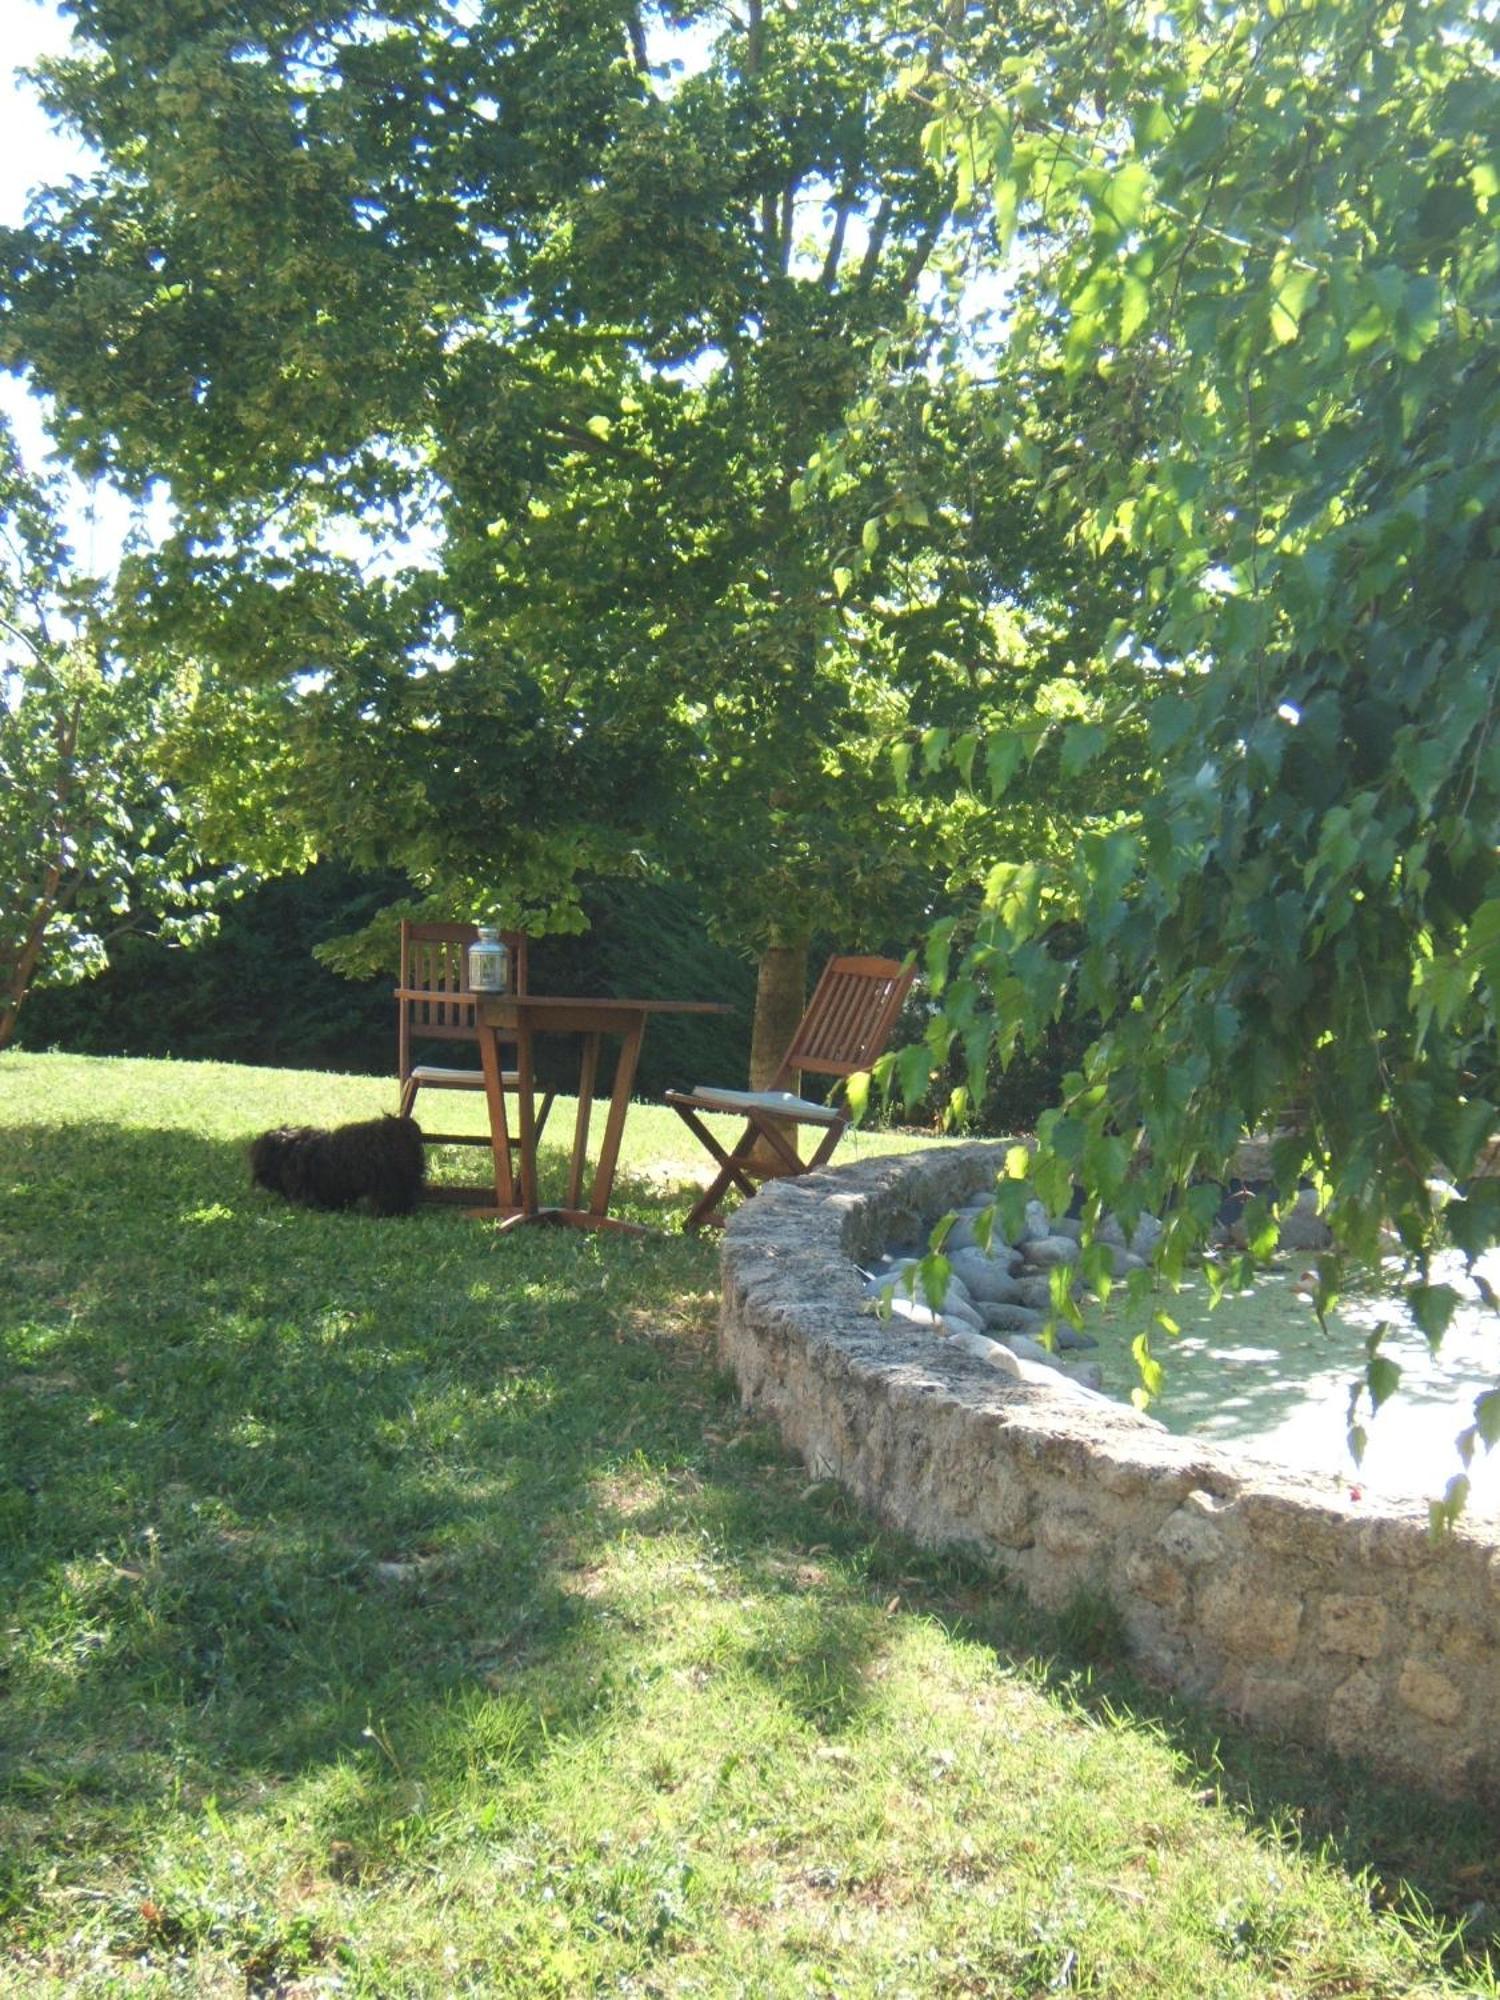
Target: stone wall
<point>1278,1597</point>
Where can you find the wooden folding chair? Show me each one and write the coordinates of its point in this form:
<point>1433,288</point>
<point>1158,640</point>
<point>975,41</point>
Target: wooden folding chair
<point>847,1024</point>
<point>434,1004</point>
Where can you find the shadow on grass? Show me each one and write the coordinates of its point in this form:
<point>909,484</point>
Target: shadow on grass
<point>1434,1862</point>
<point>286,1495</point>
<point>245,1446</point>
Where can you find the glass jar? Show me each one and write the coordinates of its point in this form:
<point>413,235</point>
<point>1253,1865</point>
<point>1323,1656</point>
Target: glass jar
<point>489,962</point>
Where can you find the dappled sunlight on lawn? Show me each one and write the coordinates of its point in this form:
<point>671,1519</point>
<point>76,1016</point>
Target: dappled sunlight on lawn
<point>372,1585</point>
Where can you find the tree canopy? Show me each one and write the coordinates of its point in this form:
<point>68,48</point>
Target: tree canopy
<point>483,351</point>
<point>1255,249</point>
<point>596,437</point>
<point>99,834</point>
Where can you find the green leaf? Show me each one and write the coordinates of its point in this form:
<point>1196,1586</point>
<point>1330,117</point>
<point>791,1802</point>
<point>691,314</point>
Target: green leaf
<point>1295,289</point>
<point>1152,1377</point>
<point>1482,944</point>
<point>913,1072</point>
<point>1135,306</point>
<point>1011,1197</point>
<point>1002,759</point>
<point>983,1226</point>
<point>1125,195</point>
<point>1424,761</point>
<point>1014,891</point>
<point>1432,1307</point>
<point>1060,1292</point>
<point>939,947</point>
<point>1171,718</point>
<point>1109,864</point>
<point>1373,324</point>
<point>1203,132</point>
<point>1097,1265</point>
<point>1442,1515</point>
<point>1420,317</point>
<point>934,1272</point>
<point>934,747</point>
<point>1382,1378</point>
<point>1082,743</point>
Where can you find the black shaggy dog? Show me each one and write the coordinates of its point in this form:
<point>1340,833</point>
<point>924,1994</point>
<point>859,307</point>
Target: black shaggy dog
<point>378,1161</point>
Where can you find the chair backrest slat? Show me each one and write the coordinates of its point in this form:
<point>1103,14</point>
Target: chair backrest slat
<point>435,961</point>
<point>832,1028</point>
<point>849,1018</point>
<point>852,1012</point>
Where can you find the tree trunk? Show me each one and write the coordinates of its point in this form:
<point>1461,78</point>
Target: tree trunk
<point>780,996</point>
<point>18,981</point>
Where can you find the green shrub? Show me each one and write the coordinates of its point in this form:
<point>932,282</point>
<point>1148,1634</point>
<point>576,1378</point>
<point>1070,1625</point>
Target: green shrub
<point>255,993</point>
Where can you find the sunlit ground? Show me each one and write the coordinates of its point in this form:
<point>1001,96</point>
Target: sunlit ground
<point>1259,1372</point>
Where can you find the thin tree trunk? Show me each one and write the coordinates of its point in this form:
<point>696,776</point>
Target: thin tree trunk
<point>18,985</point>
<point>780,996</point>
<point>52,894</point>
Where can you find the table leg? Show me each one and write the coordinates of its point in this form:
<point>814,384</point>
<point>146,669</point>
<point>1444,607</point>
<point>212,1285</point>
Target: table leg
<point>526,1116</point>
<point>588,1069</point>
<point>489,1062</point>
<point>614,1129</point>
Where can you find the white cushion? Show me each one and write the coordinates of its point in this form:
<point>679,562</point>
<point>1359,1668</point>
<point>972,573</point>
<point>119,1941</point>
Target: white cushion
<point>430,1073</point>
<point>767,1100</point>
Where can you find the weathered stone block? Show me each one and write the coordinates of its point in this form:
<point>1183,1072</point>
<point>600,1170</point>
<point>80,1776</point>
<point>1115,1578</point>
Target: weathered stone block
<point>1070,1532</point>
<point>1352,1625</point>
<point>1154,1578</point>
<point>1190,1536</point>
<point>1456,1636</point>
<point>1285,1517</point>
<point>1429,1691</point>
<point>1242,1616</point>
<point>1357,1714</point>
<point>1272,1701</point>
<point>1392,1544</point>
<point>1003,1513</point>
<point>1006,1318</point>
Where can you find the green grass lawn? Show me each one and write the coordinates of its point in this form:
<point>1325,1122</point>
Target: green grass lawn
<point>405,1608</point>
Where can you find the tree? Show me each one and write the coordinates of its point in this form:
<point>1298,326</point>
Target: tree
<point>484,352</point>
<point>1257,249</point>
<point>95,836</point>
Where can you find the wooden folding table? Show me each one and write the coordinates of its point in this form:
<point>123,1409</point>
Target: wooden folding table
<point>519,1018</point>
